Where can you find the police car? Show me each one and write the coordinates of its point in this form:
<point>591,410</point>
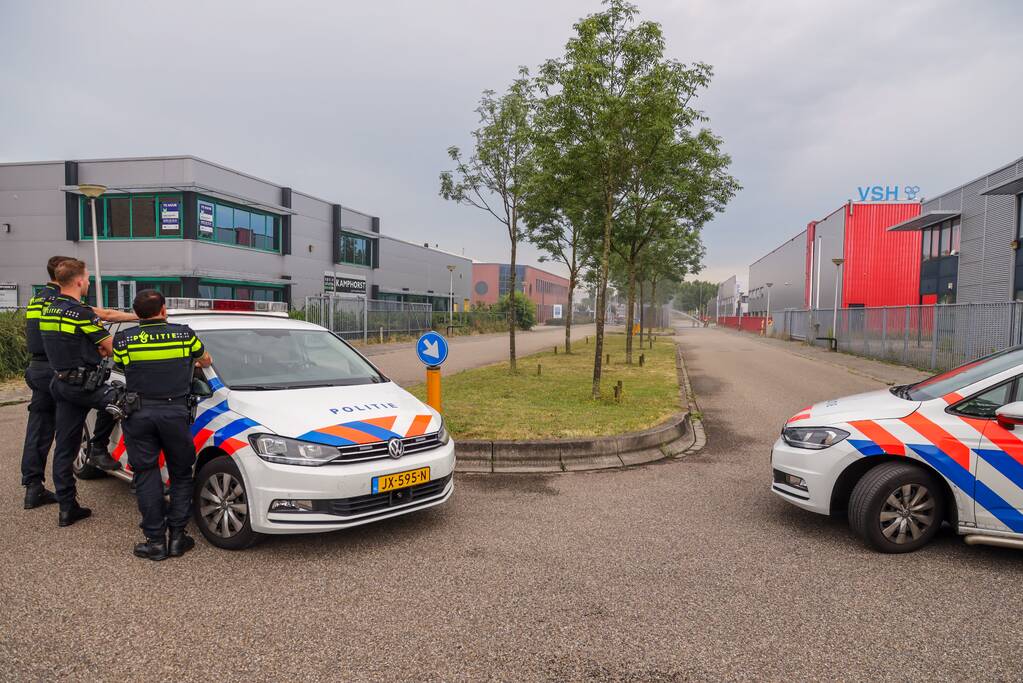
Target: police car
<point>904,460</point>
<point>299,432</point>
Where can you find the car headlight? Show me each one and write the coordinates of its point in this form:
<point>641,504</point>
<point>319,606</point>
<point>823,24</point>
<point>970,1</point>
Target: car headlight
<point>442,436</point>
<point>284,451</point>
<point>815,438</point>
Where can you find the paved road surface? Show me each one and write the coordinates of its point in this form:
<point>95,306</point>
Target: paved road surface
<point>681,570</point>
<point>399,361</point>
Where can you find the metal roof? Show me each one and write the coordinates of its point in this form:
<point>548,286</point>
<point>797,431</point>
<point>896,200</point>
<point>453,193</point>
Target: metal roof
<point>1010,186</point>
<point>924,220</point>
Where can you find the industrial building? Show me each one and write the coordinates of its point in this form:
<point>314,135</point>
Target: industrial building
<point>193,228</point>
<point>547,291</point>
<point>970,240</point>
<point>876,267</point>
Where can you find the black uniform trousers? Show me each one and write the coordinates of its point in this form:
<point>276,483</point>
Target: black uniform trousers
<point>147,431</point>
<point>73,405</point>
<point>42,417</point>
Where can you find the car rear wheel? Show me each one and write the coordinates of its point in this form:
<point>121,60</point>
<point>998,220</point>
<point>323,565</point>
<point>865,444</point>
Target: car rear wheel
<point>897,507</point>
<point>80,465</point>
<point>221,505</point>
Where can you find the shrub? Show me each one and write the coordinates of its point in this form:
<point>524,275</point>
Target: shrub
<point>525,311</point>
<point>13,352</point>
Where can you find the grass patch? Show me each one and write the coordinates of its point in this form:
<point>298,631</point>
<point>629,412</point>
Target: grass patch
<point>491,403</point>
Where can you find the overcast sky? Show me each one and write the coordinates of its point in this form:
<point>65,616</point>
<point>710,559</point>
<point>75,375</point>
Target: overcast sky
<point>357,102</point>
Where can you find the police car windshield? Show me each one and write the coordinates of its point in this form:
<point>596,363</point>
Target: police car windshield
<point>961,377</point>
<point>268,359</point>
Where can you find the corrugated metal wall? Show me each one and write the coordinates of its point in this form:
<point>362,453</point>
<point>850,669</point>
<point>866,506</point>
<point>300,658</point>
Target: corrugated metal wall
<point>881,268</point>
<point>783,267</point>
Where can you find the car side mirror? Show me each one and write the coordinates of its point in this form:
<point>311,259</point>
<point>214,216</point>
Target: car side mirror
<point>202,388</point>
<point>1010,415</point>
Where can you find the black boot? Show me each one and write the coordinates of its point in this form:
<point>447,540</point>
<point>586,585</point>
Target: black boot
<point>69,516</point>
<point>98,457</point>
<point>180,542</point>
<point>36,495</point>
<point>153,549</point>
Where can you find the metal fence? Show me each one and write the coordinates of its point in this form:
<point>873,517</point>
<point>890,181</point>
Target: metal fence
<point>359,318</point>
<point>936,337</point>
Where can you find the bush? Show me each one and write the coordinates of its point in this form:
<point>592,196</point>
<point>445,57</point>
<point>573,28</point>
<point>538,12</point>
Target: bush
<point>13,351</point>
<point>525,311</point>
<point>297,314</point>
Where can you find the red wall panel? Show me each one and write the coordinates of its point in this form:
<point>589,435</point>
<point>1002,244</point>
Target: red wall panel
<point>881,268</point>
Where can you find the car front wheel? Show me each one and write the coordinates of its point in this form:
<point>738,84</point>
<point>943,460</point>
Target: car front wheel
<point>897,507</point>
<point>222,505</point>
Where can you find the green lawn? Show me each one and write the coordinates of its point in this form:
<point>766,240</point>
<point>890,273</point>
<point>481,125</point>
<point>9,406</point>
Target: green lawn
<point>491,403</point>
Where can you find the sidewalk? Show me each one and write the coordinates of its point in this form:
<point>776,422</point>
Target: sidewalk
<point>14,391</point>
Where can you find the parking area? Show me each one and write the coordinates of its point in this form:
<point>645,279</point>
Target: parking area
<point>677,570</point>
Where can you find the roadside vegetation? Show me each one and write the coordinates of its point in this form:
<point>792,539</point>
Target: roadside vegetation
<point>13,352</point>
<point>601,160</point>
<point>492,403</point>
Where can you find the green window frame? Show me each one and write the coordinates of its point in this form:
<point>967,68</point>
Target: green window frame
<point>240,290</point>
<point>355,249</point>
<point>237,225</point>
<point>124,216</point>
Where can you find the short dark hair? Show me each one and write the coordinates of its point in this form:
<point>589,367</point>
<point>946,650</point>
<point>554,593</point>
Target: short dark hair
<point>51,265</point>
<point>67,270</point>
<point>147,303</point>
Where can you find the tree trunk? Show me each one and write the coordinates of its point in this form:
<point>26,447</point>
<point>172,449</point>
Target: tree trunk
<point>630,317</point>
<point>605,259</point>
<point>568,312</point>
<point>655,310</point>
<point>642,312</point>
<point>511,296</point>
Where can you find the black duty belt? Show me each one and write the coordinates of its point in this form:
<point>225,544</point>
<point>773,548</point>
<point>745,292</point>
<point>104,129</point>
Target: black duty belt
<point>75,376</point>
<point>40,357</point>
<point>39,363</point>
<point>177,401</point>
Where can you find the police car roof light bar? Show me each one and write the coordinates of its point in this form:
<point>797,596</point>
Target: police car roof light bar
<point>182,305</point>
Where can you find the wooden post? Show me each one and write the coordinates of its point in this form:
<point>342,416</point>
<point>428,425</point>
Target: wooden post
<point>555,350</point>
<point>642,357</point>
<point>538,366</point>
<point>619,390</point>
<point>608,361</point>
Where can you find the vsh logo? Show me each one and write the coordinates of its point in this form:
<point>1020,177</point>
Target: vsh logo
<point>887,193</point>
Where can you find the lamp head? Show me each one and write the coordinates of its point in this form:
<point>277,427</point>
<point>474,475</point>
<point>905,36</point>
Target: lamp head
<point>838,261</point>
<point>92,191</point>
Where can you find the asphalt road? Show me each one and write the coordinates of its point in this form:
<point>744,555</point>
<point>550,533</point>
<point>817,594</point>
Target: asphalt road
<point>674,571</point>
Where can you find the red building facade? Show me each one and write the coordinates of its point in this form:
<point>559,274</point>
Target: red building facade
<point>549,292</point>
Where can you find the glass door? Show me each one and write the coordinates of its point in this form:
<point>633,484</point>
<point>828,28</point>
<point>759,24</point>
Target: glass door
<point>125,294</point>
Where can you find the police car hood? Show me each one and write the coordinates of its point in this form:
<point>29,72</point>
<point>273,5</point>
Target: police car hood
<point>873,405</point>
<point>339,416</point>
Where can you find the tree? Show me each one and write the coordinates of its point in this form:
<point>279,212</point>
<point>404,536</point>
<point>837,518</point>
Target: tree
<point>694,296</point>
<point>525,310</point>
<point>494,178</point>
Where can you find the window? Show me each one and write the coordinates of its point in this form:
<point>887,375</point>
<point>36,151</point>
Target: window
<point>956,235</point>
<point>946,239</point>
<point>134,216</point>
<point>239,291</point>
<point>965,375</point>
<point>985,404</point>
<point>241,227</point>
<point>355,249</point>
<point>941,240</point>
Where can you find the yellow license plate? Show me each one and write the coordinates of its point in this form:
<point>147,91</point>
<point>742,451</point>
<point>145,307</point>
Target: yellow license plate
<point>401,480</point>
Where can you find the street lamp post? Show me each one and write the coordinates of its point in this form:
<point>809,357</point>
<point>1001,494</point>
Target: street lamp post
<point>767,318</point>
<point>451,294</point>
<point>93,191</point>
<point>834,320</point>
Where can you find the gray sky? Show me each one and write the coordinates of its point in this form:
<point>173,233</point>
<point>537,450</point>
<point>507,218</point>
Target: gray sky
<point>358,102</point>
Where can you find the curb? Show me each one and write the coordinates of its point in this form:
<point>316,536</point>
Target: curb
<point>679,435</point>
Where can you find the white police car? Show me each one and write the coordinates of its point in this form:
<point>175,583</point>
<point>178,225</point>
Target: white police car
<point>300,433</point>
<point>905,460</point>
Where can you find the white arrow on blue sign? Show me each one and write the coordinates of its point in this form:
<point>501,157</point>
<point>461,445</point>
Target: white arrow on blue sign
<point>432,349</point>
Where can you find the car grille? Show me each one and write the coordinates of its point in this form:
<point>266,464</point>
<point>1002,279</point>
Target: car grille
<point>373,451</point>
<point>380,502</point>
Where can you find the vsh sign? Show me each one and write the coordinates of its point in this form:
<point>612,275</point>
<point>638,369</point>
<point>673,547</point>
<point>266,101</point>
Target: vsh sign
<point>888,193</point>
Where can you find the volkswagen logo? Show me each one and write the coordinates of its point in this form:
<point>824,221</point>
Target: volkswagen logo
<point>396,448</point>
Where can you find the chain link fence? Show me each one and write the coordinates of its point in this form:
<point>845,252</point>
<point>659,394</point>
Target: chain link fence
<point>936,337</point>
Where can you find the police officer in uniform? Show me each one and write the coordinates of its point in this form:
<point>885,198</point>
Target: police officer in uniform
<point>75,342</point>
<point>42,409</point>
<point>158,359</point>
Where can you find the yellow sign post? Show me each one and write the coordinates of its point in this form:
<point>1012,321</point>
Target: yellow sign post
<point>433,387</point>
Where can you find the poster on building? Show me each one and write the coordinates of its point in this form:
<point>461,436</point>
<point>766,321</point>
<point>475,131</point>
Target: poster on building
<point>170,216</point>
<point>8,296</point>
<point>206,219</point>
<point>339,283</point>
<point>556,313</point>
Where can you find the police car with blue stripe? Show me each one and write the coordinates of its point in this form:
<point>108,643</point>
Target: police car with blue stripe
<point>298,432</point>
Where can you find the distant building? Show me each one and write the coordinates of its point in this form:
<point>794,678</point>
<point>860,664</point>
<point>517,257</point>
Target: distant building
<point>549,292</point>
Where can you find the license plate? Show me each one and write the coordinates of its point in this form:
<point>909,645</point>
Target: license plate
<point>401,480</point>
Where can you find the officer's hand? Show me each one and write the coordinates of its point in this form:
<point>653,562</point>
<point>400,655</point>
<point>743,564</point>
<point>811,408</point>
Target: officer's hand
<point>205,361</point>
<point>106,347</point>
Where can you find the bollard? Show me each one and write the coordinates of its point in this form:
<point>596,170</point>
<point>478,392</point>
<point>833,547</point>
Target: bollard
<point>381,334</point>
<point>433,387</point>
<point>642,357</point>
<point>555,350</point>
<point>608,361</point>
<point>538,369</point>
<point>587,340</point>
<point>619,391</point>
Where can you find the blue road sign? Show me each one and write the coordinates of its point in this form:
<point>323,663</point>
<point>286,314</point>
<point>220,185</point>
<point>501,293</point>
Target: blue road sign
<point>432,349</point>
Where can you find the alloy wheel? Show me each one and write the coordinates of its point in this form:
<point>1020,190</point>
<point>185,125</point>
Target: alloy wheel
<point>223,504</point>
<point>907,513</point>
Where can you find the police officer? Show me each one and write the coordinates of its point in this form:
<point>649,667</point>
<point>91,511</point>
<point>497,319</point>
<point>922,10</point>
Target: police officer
<point>42,409</point>
<point>158,360</point>
<point>75,342</point>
